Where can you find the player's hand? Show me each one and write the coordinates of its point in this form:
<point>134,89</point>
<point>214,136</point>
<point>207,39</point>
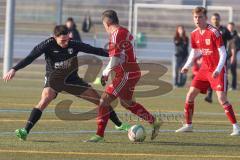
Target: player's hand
<point>215,74</point>
<point>184,70</point>
<point>104,79</point>
<point>9,75</point>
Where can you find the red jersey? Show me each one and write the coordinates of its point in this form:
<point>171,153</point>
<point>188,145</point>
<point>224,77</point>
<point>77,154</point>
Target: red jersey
<point>121,45</point>
<point>208,43</point>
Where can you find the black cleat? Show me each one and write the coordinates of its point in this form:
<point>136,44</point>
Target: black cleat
<point>208,99</point>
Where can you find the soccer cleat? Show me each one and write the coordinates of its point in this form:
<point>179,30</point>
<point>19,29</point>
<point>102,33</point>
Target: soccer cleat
<point>95,139</point>
<point>123,127</point>
<point>236,132</point>
<point>21,134</point>
<point>156,126</point>
<point>208,99</point>
<point>185,128</point>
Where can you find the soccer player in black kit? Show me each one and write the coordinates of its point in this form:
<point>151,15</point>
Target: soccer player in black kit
<point>59,52</point>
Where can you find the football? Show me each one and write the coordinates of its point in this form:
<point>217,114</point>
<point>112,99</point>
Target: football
<point>137,133</point>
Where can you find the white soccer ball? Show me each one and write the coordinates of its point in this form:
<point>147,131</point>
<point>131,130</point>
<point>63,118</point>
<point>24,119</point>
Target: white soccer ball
<point>137,133</point>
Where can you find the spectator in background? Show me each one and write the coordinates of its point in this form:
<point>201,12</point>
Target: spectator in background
<point>215,21</point>
<point>226,36</point>
<point>73,32</point>
<point>181,52</point>
<point>87,23</point>
<point>233,48</point>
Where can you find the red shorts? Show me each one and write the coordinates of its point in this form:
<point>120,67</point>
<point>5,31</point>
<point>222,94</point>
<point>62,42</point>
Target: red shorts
<point>203,80</point>
<point>123,86</point>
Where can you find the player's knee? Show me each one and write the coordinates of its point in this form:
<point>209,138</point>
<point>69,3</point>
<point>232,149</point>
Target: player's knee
<point>190,97</point>
<point>103,102</point>
<point>45,100</point>
<point>222,100</point>
<point>124,104</point>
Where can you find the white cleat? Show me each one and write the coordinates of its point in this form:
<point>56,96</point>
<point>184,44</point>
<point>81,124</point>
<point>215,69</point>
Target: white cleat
<point>185,128</point>
<point>236,132</point>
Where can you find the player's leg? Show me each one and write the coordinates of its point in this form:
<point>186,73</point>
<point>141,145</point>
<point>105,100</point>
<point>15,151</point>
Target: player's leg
<point>208,98</point>
<point>222,98</point>
<point>137,109</point>
<point>189,109</point>
<point>141,112</point>
<point>177,71</point>
<point>48,94</point>
<point>102,117</point>
<point>82,89</point>
<point>91,95</point>
<point>233,67</point>
<point>125,92</point>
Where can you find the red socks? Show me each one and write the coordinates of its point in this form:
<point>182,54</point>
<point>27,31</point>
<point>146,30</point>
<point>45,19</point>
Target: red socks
<point>230,113</point>
<point>140,111</point>
<point>102,119</point>
<point>188,111</point>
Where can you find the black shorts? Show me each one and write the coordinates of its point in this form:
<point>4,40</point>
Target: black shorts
<point>74,86</point>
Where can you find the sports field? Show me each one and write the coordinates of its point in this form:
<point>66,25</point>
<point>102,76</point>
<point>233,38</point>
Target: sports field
<point>57,139</point>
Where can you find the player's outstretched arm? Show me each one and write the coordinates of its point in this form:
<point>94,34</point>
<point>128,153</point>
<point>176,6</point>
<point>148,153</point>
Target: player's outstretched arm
<point>86,48</point>
<point>9,75</point>
<point>35,53</point>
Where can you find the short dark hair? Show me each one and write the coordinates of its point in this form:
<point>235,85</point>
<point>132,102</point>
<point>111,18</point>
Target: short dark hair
<point>111,16</point>
<point>70,19</point>
<point>232,23</point>
<point>200,10</point>
<point>60,30</point>
<point>217,15</point>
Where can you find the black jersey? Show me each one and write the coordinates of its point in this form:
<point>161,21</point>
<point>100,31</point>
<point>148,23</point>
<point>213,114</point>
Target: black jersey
<point>226,35</point>
<point>56,56</point>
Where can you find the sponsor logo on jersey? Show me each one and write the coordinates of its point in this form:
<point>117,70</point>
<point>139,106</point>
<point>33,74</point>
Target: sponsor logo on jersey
<point>55,51</point>
<point>207,41</point>
<point>206,52</point>
<point>62,65</point>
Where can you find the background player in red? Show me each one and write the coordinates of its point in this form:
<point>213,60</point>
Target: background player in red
<point>206,40</point>
<point>127,73</point>
<point>226,36</point>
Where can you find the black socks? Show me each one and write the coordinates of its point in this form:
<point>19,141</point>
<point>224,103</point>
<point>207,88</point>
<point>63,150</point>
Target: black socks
<point>114,118</point>
<point>32,120</point>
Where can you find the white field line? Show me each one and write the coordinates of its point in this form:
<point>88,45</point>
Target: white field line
<point>115,131</point>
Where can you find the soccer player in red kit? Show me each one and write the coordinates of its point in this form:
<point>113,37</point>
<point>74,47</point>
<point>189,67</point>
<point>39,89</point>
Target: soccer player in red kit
<point>206,40</point>
<point>127,74</point>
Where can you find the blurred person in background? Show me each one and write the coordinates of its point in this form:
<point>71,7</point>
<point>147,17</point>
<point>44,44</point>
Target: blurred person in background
<point>233,48</point>
<point>73,32</point>
<point>226,36</point>
<point>181,53</point>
